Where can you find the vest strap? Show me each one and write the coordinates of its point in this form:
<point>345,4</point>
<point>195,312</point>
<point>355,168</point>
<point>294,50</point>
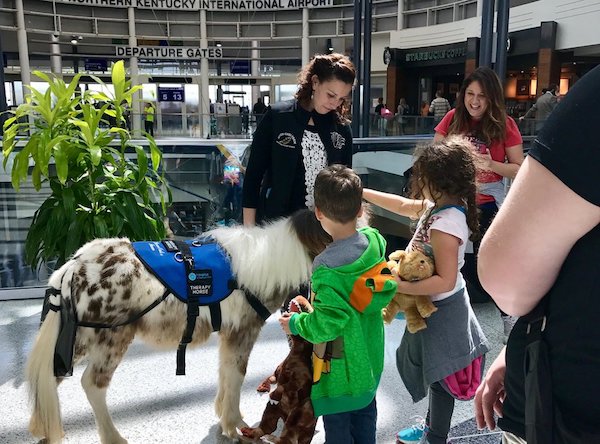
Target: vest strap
<point>192,307</point>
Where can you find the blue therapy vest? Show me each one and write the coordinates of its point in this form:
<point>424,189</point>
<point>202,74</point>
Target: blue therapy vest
<point>211,279</point>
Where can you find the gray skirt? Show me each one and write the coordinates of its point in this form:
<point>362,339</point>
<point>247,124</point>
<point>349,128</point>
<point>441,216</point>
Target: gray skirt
<point>452,340</point>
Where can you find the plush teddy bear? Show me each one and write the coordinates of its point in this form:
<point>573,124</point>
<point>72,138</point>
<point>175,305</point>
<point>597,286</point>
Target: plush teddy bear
<point>290,401</point>
<point>412,266</point>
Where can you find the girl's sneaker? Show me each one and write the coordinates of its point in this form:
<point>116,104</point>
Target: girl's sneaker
<point>413,434</point>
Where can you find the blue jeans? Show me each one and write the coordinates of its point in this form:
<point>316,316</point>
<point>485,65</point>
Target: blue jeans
<point>357,427</point>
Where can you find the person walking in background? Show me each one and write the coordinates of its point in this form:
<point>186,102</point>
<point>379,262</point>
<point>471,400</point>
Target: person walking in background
<point>424,109</point>
<point>480,115</point>
<point>380,121</point>
<point>401,111</point>
<point>259,107</point>
<point>542,107</point>
<point>380,105</point>
<point>540,260</point>
<point>346,325</point>
<point>258,110</point>
<point>295,140</point>
<point>453,345</point>
<point>149,119</point>
<point>439,107</point>
<point>424,126</point>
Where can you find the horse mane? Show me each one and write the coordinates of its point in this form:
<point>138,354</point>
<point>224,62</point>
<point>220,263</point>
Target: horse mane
<point>275,257</point>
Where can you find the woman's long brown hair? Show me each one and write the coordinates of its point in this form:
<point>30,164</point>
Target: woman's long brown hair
<point>493,122</point>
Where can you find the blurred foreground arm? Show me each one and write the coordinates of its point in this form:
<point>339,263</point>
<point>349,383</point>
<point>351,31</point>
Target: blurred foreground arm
<point>522,252</point>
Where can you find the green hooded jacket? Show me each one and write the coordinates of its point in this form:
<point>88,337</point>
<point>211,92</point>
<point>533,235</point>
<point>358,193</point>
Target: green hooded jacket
<point>347,328</point>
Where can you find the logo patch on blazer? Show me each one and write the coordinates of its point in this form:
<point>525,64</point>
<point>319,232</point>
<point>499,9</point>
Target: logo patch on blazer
<point>286,140</point>
<point>338,140</point>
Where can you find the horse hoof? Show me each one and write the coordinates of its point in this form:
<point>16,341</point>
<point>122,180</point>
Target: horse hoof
<point>231,430</point>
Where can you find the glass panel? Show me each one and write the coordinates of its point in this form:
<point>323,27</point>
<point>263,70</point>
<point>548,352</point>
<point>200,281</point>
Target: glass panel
<point>285,92</point>
<point>149,91</point>
<point>416,20</point>
<point>202,199</point>
<point>8,91</point>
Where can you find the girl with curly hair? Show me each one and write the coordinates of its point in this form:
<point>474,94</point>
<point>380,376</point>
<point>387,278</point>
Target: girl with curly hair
<point>446,358</point>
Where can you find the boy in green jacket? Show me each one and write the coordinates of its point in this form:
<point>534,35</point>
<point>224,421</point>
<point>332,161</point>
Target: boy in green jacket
<point>350,284</point>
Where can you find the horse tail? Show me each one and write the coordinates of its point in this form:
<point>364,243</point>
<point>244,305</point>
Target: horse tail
<point>46,420</point>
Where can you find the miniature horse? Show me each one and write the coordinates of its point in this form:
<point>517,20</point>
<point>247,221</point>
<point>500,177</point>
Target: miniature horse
<point>106,282</point>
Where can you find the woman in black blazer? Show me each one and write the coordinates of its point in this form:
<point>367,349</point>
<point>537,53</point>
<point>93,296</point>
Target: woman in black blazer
<point>297,138</point>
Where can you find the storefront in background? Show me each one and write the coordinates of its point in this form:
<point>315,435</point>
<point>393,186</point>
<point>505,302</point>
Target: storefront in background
<point>532,64</point>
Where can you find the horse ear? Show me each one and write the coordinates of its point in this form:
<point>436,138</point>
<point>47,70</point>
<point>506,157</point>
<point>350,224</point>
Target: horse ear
<point>310,232</point>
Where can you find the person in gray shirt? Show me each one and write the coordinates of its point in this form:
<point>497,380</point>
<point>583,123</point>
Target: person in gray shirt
<point>542,107</point>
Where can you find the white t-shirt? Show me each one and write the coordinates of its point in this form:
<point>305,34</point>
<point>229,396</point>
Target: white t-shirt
<point>448,219</point>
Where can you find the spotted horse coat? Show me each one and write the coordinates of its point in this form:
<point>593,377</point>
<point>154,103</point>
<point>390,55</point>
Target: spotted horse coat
<point>106,283</point>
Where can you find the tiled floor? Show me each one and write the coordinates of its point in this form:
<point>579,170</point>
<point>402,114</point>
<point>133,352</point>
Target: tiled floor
<point>150,404</point>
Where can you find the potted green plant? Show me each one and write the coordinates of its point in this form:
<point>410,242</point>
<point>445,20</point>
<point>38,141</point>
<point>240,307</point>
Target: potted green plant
<point>102,183</point>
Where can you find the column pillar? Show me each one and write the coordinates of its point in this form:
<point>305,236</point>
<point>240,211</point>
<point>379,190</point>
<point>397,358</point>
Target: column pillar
<point>502,39</point>
<point>23,51</point>
<point>471,55</point>
<point>255,71</point>
<point>548,68</point>
<point>366,66</point>
<point>305,40</point>
<point>357,130</point>
<point>204,95</point>
<point>400,24</point>
<point>3,105</point>
<point>136,113</point>
<point>479,7</point>
<point>396,83</point>
<point>487,33</point>
<point>55,57</point>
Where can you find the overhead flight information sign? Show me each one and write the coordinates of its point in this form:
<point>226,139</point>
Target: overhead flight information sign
<point>171,94</point>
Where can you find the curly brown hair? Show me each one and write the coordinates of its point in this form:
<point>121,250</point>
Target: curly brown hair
<point>326,67</point>
<point>448,168</point>
<point>493,122</point>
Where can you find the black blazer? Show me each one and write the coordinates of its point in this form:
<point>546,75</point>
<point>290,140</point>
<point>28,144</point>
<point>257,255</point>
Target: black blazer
<point>276,152</point>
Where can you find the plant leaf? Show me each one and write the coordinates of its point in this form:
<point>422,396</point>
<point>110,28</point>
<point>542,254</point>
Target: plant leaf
<point>142,161</point>
<point>62,163</point>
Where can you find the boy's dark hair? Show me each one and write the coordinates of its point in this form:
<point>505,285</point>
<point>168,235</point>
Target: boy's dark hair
<point>448,168</point>
<point>338,193</point>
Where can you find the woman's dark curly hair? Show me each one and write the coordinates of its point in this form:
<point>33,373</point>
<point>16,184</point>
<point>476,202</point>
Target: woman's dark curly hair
<point>326,67</point>
<point>448,168</point>
<point>493,122</point>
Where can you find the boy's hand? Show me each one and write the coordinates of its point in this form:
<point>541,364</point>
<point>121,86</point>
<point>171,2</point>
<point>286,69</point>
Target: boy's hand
<point>284,321</point>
